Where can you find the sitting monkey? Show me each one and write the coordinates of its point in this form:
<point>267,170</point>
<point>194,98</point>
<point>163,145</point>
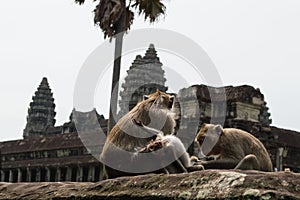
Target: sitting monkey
<point>120,153</point>
<point>172,147</point>
<point>232,149</point>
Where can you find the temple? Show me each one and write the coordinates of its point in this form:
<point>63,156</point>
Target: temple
<point>62,153</point>
<point>144,77</point>
<point>41,112</point>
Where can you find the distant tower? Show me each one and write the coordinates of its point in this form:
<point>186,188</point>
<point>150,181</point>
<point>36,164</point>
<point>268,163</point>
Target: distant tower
<point>41,112</point>
<point>144,76</point>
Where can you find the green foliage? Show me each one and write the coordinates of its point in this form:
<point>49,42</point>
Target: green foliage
<point>81,1</point>
<point>114,16</point>
<point>152,9</point>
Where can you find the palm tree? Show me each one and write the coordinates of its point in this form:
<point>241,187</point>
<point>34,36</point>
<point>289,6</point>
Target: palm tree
<point>114,18</point>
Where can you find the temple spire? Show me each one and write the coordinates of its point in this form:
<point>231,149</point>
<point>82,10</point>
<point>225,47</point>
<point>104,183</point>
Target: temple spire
<point>137,62</point>
<point>143,77</point>
<point>151,55</point>
<point>41,111</point>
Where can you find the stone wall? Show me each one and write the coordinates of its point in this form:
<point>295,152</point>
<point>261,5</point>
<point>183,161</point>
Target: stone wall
<point>208,184</point>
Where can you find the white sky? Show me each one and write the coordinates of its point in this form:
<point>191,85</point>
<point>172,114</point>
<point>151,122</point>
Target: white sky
<point>251,42</point>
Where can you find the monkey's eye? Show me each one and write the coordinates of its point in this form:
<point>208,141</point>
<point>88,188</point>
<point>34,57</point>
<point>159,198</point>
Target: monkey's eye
<point>163,99</point>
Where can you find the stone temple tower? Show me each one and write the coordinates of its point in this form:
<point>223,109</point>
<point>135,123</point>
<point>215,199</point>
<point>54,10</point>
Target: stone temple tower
<point>41,111</point>
<point>144,77</point>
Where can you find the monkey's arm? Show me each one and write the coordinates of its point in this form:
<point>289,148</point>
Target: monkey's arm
<point>152,131</point>
<point>219,164</point>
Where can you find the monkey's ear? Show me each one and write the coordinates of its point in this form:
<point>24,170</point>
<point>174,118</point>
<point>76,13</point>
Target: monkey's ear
<point>172,98</point>
<point>145,97</point>
<point>219,129</point>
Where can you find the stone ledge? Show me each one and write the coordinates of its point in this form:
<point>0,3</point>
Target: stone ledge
<point>208,184</point>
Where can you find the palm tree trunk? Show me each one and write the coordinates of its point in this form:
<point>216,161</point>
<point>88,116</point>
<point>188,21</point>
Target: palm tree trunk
<point>116,73</point>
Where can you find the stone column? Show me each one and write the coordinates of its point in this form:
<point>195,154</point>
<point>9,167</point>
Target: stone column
<point>101,173</point>
<point>91,174</point>
<point>58,175</point>
<point>10,176</point>
<point>2,176</point>
<point>19,175</point>
<point>69,174</point>
<point>79,174</point>
<point>38,175</point>
<point>47,178</point>
<point>279,155</point>
<point>28,175</point>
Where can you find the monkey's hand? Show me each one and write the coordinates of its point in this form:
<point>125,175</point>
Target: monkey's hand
<point>195,167</point>
<point>142,150</point>
<point>155,145</point>
<point>194,160</point>
<point>152,146</point>
<point>201,162</point>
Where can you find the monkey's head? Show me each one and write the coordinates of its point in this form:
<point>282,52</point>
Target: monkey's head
<point>155,111</point>
<point>160,99</point>
<point>208,139</point>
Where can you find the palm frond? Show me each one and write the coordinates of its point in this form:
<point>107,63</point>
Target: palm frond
<point>80,1</point>
<point>152,9</point>
<point>128,19</point>
<point>110,15</point>
<point>107,13</point>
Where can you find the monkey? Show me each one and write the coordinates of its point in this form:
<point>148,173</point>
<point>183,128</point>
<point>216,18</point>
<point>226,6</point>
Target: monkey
<point>173,148</point>
<point>121,148</point>
<point>232,149</point>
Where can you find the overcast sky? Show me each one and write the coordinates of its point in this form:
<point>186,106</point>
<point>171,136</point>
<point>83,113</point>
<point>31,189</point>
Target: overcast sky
<point>255,42</point>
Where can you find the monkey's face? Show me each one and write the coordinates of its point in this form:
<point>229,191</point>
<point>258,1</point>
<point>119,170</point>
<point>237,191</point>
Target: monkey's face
<point>160,99</point>
<point>208,139</point>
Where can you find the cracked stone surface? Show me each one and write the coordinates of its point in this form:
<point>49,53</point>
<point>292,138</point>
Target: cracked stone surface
<point>208,184</point>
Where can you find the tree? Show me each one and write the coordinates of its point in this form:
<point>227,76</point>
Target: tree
<point>114,18</point>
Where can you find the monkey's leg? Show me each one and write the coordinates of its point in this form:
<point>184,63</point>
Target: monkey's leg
<point>176,166</point>
<point>165,170</point>
<point>219,164</point>
<point>249,162</point>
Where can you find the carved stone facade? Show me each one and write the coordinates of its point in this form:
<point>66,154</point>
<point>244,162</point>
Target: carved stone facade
<point>41,111</point>
<point>144,77</point>
<point>241,102</point>
<point>57,157</point>
<point>53,153</point>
